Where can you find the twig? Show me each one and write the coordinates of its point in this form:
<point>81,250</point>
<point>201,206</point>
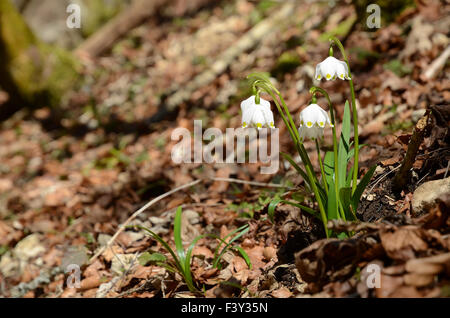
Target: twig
<point>382,177</point>
<point>140,10</point>
<point>255,183</point>
<point>162,196</point>
<point>446,171</point>
<point>105,37</point>
<point>135,214</point>
<point>402,177</point>
<point>437,65</point>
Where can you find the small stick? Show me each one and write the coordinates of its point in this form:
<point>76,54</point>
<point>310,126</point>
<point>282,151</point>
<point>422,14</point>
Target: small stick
<point>255,183</point>
<point>162,196</point>
<point>437,64</point>
<point>135,214</point>
<point>402,177</point>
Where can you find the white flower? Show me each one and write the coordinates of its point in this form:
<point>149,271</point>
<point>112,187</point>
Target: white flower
<point>312,122</point>
<point>331,68</point>
<point>257,115</point>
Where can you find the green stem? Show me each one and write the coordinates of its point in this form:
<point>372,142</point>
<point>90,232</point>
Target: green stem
<point>319,200</point>
<point>289,116</point>
<point>289,124</point>
<point>321,167</point>
<point>269,89</point>
<point>356,138</point>
<point>313,90</point>
<point>355,114</point>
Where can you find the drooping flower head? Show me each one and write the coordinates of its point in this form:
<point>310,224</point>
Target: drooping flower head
<point>256,115</point>
<point>313,120</point>
<point>332,68</point>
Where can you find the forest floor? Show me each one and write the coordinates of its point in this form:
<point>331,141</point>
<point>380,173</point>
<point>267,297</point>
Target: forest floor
<point>67,185</point>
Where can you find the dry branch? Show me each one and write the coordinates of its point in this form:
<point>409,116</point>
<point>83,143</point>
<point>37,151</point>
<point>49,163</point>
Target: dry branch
<point>140,11</point>
<point>102,40</point>
<point>164,195</point>
<point>402,177</point>
<point>135,214</point>
<point>437,65</point>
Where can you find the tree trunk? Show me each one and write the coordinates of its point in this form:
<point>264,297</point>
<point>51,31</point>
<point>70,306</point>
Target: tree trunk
<point>32,73</point>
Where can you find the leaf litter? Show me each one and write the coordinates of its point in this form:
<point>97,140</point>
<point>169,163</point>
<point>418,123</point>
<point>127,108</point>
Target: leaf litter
<point>64,195</point>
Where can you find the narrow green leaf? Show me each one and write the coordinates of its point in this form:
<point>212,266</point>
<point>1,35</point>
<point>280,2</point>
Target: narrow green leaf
<point>147,257</point>
<point>332,208</point>
<point>177,236</point>
<point>348,181</point>
<point>304,208</point>
<point>165,245</point>
<point>328,167</point>
<point>187,265</point>
<point>271,209</point>
<point>352,151</point>
<point>361,186</point>
<point>344,146</point>
<point>345,196</point>
<point>227,246</point>
<point>296,166</point>
<point>244,255</point>
<point>223,240</point>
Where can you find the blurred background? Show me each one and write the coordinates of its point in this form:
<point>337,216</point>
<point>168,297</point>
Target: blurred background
<point>87,113</point>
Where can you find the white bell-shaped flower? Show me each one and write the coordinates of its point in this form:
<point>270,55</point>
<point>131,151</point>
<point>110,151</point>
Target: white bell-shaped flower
<point>331,68</point>
<point>312,122</point>
<point>256,115</point>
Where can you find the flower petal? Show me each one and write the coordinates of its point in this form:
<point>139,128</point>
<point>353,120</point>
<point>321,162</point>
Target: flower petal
<point>258,119</point>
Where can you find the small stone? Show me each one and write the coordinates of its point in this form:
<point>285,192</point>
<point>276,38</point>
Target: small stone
<point>427,194</point>
<point>8,265</point>
<point>269,252</point>
<point>191,216</point>
<point>75,255</point>
<point>29,247</point>
<point>136,236</point>
<point>105,288</point>
<point>103,239</point>
<point>5,185</point>
<point>123,262</point>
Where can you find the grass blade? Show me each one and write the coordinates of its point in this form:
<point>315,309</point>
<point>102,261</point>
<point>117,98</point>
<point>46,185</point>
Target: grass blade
<point>271,209</point>
<point>361,186</point>
<point>302,207</point>
<point>344,146</point>
<point>165,245</point>
<point>227,246</point>
<point>296,166</point>
<point>177,236</point>
<point>244,255</point>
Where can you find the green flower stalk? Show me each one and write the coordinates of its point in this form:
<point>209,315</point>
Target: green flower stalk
<point>337,194</point>
<point>335,40</point>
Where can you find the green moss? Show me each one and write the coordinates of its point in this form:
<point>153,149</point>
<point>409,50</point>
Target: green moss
<point>341,30</point>
<point>398,68</point>
<point>98,13</point>
<point>364,55</point>
<point>390,10</point>
<point>3,249</point>
<point>20,58</point>
<point>287,62</point>
<point>32,72</point>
